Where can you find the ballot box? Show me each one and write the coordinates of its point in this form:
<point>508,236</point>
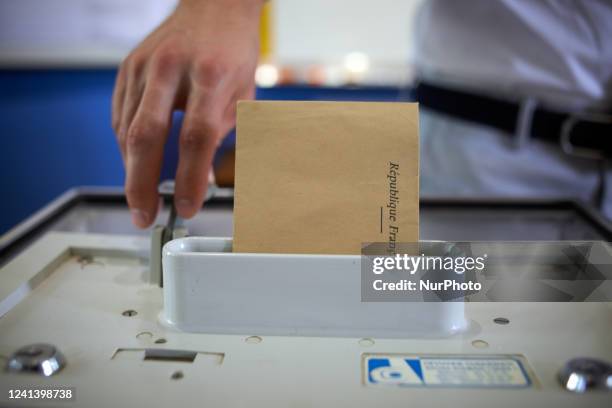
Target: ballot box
<point>78,306</point>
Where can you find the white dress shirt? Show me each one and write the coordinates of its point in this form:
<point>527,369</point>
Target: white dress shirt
<point>559,52</point>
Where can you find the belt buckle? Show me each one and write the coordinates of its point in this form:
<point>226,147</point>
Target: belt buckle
<point>566,134</point>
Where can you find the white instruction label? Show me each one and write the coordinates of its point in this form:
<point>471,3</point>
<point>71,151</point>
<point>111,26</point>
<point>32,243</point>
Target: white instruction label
<point>443,371</point>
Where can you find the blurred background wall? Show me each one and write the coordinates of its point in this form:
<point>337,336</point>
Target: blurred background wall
<point>58,60</point>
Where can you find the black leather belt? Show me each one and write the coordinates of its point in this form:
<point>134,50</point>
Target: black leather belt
<point>583,134</point>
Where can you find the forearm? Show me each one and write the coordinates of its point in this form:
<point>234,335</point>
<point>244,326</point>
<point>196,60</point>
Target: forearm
<point>245,6</point>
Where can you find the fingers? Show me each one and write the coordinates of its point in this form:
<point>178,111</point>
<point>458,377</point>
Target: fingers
<point>210,115</point>
<point>144,145</point>
<point>134,87</point>
<point>201,131</point>
<point>229,116</point>
<point>117,101</point>
<point>148,88</point>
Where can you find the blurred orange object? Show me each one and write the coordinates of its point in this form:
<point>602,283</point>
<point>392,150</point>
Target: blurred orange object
<point>224,171</point>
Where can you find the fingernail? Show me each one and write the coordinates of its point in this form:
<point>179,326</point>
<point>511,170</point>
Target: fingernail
<point>184,205</point>
<point>140,218</point>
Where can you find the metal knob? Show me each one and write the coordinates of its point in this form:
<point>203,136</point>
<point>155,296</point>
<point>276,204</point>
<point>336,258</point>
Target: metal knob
<point>583,374</point>
<point>41,359</point>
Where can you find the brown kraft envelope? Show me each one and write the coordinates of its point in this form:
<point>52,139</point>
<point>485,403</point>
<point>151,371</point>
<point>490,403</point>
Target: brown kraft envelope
<point>325,177</point>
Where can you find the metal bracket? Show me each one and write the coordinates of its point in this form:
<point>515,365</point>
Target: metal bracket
<point>174,228</point>
<point>160,235</point>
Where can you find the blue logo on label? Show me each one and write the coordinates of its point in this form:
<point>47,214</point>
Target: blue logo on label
<point>443,371</point>
<point>395,370</point>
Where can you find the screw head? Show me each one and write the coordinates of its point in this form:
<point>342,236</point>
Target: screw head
<point>42,359</point>
<point>584,374</point>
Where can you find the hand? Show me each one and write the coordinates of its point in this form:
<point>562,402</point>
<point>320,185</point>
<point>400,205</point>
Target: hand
<point>201,60</point>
